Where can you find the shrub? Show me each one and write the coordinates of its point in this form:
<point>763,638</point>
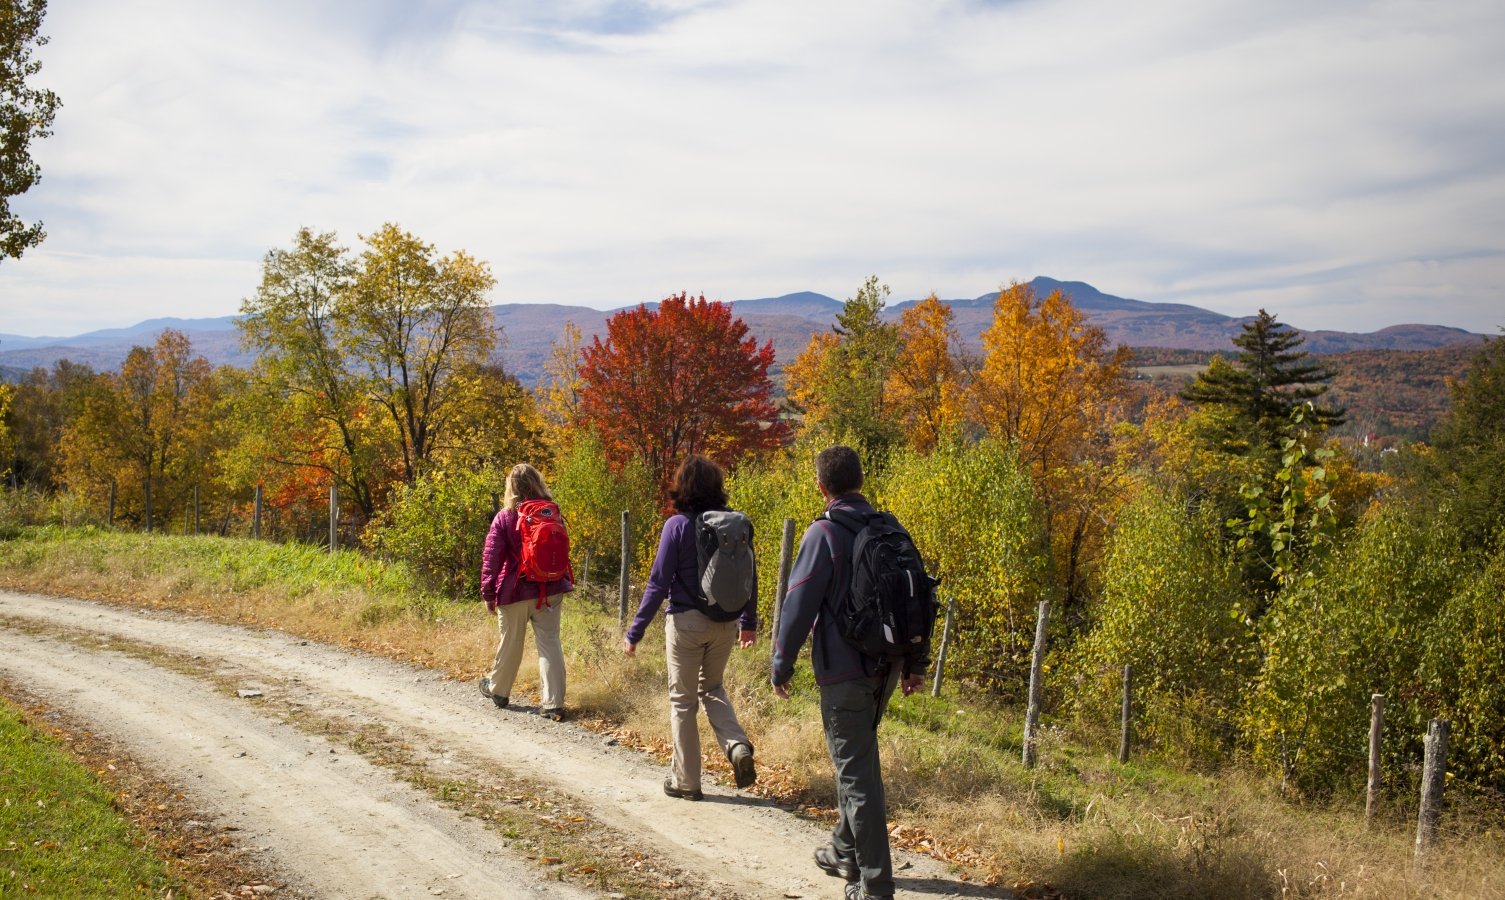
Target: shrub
<point>438,525</point>
<point>1172,608</point>
<point>592,496</point>
<point>770,489</point>
<point>974,516</point>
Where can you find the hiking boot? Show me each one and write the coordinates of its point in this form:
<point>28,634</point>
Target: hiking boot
<point>742,765</point>
<point>855,892</point>
<point>834,865</point>
<point>681,793</point>
<point>554,714</point>
<point>501,702</point>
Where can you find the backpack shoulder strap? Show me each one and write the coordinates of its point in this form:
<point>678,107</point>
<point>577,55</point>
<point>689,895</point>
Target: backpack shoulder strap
<point>847,519</point>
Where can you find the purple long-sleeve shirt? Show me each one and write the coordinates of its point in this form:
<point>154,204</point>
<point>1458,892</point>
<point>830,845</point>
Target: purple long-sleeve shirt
<point>676,568</point>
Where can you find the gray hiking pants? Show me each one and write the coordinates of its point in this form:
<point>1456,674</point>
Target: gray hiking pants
<point>851,711</point>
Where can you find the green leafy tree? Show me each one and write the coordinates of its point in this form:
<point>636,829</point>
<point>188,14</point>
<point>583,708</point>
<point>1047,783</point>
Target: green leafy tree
<point>839,380</point>
<point>1263,386</point>
<point>26,113</point>
<point>1469,463</point>
<point>1172,606</point>
<point>973,513</point>
<point>593,492</point>
<point>437,524</point>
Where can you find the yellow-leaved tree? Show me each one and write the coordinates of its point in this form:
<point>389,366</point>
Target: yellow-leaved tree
<point>1051,386</point>
<point>926,387</point>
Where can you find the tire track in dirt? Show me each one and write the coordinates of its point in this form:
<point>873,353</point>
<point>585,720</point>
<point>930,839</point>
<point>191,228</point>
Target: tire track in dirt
<point>745,845</point>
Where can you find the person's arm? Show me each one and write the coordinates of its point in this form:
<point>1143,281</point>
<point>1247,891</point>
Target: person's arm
<point>665,564</point>
<point>492,554</point>
<point>808,582</point>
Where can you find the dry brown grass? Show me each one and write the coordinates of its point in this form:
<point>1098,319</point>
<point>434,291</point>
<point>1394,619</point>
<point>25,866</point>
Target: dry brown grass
<point>1079,825</point>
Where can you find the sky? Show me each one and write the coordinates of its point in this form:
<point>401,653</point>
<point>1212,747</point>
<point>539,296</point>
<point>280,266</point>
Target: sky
<point>1341,164</point>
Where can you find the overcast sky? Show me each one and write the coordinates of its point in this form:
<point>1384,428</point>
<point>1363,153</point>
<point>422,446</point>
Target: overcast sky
<point>1341,164</point>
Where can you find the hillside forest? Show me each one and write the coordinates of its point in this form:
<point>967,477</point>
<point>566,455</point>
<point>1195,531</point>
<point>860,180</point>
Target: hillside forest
<point>1223,529</point>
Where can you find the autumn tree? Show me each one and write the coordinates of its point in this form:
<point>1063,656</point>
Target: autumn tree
<point>1263,387</point>
<point>839,380</point>
<point>558,391</point>
<point>414,322</point>
<point>1470,461</point>
<point>26,112</point>
<point>683,378</point>
<point>45,401</point>
<point>371,367</point>
<point>1050,385</point>
<point>148,426</point>
<point>925,387</point>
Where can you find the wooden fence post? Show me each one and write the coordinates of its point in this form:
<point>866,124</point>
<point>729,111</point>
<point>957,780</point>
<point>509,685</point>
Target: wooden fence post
<point>334,517</point>
<point>786,553</point>
<point>586,578</point>
<point>1128,708</point>
<point>110,516</point>
<point>1376,725</point>
<point>940,658</point>
<point>496,504</point>
<point>1433,779</point>
<point>149,522</point>
<point>196,523</point>
<point>1036,687</point>
<point>626,565</point>
<point>256,515</point>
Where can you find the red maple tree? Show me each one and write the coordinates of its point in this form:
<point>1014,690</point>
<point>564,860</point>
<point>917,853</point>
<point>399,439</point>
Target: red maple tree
<point>682,378</point>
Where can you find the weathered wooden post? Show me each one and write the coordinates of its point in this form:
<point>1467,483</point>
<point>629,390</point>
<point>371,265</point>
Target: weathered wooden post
<point>496,504</point>
<point>256,515</point>
<point>586,577</point>
<point>1128,707</point>
<point>622,586</point>
<point>940,658</point>
<point>786,554</point>
<point>1376,726</point>
<point>110,516</point>
<point>1433,779</point>
<point>1036,687</point>
<point>196,510</point>
<point>148,503</point>
<point>334,517</point>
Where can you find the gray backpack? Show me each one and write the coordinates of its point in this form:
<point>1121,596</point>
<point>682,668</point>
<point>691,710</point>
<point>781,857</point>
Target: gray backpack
<point>727,566</point>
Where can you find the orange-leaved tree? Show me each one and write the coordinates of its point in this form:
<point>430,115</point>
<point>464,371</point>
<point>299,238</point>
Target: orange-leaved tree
<point>683,378</point>
<point>926,385</point>
<point>1051,386</point>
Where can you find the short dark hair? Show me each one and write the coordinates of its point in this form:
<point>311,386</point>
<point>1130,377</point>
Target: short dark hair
<point>698,485</point>
<point>838,469</point>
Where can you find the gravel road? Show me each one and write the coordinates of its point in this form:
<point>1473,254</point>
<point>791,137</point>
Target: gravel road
<point>168,687</point>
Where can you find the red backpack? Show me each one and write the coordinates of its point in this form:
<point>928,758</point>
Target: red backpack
<point>546,545</point>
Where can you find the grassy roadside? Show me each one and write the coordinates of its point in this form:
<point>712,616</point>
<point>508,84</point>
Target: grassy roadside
<point>1079,825</point>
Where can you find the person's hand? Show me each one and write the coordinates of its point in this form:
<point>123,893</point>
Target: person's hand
<point>491,606</point>
<point>913,683</point>
<point>629,648</point>
<point>781,691</point>
<point>746,638</point>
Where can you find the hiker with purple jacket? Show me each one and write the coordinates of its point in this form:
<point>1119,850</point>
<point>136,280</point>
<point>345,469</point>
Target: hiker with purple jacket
<point>698,635</point>
<point>518,602</point>
<point>854,688</point>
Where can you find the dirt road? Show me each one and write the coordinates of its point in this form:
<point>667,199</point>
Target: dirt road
<point>278,766</point>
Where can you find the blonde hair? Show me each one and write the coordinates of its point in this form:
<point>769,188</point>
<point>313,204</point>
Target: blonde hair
<point>524,483</point>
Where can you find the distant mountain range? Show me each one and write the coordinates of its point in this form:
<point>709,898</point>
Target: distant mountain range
<point>787,321</point>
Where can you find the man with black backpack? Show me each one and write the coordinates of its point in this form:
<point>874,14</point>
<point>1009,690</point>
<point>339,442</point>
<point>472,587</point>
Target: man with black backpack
<point>860,585</point>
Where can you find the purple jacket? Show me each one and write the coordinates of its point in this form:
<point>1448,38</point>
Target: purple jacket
<point>676,567</point>
<point>501,565</point>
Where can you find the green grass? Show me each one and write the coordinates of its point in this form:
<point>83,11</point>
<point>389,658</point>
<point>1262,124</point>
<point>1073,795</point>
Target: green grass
<point>60,835</point>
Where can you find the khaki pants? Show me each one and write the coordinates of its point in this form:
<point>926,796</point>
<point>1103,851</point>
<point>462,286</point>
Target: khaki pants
<point>698,649</point>
<point>513,621</point>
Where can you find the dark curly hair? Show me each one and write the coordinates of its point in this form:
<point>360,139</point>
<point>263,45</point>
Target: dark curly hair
<point>698,485</point>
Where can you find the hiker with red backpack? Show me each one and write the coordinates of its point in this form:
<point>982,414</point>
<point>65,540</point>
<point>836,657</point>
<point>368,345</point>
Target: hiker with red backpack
<point>706,569</point>
<point>525,573</point>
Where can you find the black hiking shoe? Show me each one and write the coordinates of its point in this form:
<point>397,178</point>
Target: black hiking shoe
<point>501,702</point>
<point>681,793</point>
<point>554,714</point>
<point>835,866</point>
<point>742,765</point>
<point>855,892</point>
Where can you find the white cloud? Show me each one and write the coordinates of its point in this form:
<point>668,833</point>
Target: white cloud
<point>1337,164</point>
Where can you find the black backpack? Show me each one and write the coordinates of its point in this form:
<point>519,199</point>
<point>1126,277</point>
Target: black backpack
<point>890,609</point>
